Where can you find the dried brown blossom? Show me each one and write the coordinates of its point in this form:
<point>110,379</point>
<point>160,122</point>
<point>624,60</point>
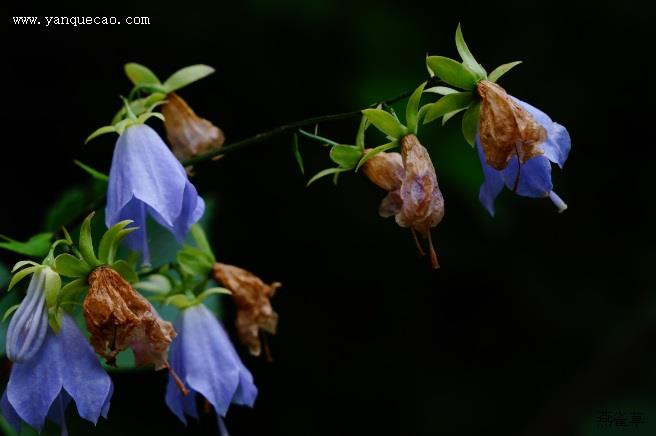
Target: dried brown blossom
<point>252,298</point>
<point>414,197</point>
<point>188,134</point>
<point>506,128</point>
<point>118,317</point>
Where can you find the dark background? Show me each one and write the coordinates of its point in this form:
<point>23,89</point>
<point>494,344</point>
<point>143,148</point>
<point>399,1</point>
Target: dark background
<point>536,322</point>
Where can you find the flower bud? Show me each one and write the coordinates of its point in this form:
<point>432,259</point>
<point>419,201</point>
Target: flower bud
<point>251,296</point>
<point>188,134</point>
<point>118,317</point>
<point>506,129</point>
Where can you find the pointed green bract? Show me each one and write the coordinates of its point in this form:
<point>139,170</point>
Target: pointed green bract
<point>385,122</point>
<point>447,116</point>
<point>326,172</point>
<point>23,263</point>
<point>297,153</point>
<point>470,123</point>
<point>501,70</point>
<point>211,291</point>
<point>108,243</point>
<point>452,72</point>
<point>155,283</point>
<point>185,76</point>
<point>9,312</point>
<point>92,172</point>
<point>362,128</point>
<point>446,104</point>
<point>86,243</point>
<point>126,271</point>
<point>194,261</point>
<point>467,58</point>
<point>441,90</point>
<point>20,275</point>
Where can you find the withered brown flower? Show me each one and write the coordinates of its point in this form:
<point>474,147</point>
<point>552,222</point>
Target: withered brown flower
<point>118,317</point>
<point>252,298</point>
<point>506,128</point>
<point>414,196</point>
<point>188,134</point>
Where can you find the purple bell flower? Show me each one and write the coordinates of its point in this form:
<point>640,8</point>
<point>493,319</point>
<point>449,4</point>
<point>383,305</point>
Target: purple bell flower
<point>533,177</point>
<point>65,367</point>
<point>146,179</point>
<point>207,364</point>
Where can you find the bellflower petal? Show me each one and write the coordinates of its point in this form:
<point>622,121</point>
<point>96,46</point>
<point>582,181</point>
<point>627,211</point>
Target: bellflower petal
<point>145,178</point>
<point>29,325</point>
<point>206,361</point>
<point>64,368</point>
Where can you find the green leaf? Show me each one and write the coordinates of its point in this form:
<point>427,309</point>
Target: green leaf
<point>20,275</point>
<point>37,246</point>
<point>86,243</point>
<point>374,151</point>
<point>501,70</point>
<point>326,172</point>
<point>70,266</point>
<point>452,72</point>
<point>94,173</point>
<point>297,153</point>
<point>470,122</point>
<point>107,247</point>
<point>140,75</point>
<point>181,301</point>
<point>446,104</point>
<point>346,156</point>
<point>185,76</point>
<point>101,131</point>
<point>412,109</point>
<point>467,58</point>
<point>441,90</point>
<point>385,122</point>
<point>126,271</point>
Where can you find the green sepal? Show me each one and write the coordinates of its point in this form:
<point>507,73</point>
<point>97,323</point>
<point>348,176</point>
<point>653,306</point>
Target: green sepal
<point>501,70</point>
<point>412,109</point>
<point>139,105</point>
<point>362,128</point>
<point>181,301</point>
<point>71,266</point>
<point>23,263</point>
<point>211,291</point>
<point>324,141</point>
<point>110,241</point>
<point>467,58</point>
<point>346,156</point>
<point>186,76</point>
<point>374,151</point>
<point>157,283</point>
<point>386,123</point>
<point>297,153</point>
<point>54,318</point>
<point>452,72</point>
<point>52,286</point>
<point>199,237</point>
<point>447,116</point>
<point>441,90</point>
<point>101,131</point>
<point>326,172</point>
<point>20,275</point>
<point>9,312</point>
<point>126,271</point>
<point>446,104</point>
<point>194,261</point>
<point>70,290</point>
<point>140,74</point>
<point>470,122</point>
<point>92,172</point>
<point>86,242</point>
<point>37,246</point>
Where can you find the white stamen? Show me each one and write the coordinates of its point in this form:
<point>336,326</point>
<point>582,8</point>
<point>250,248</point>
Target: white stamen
<point>557,201</point>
